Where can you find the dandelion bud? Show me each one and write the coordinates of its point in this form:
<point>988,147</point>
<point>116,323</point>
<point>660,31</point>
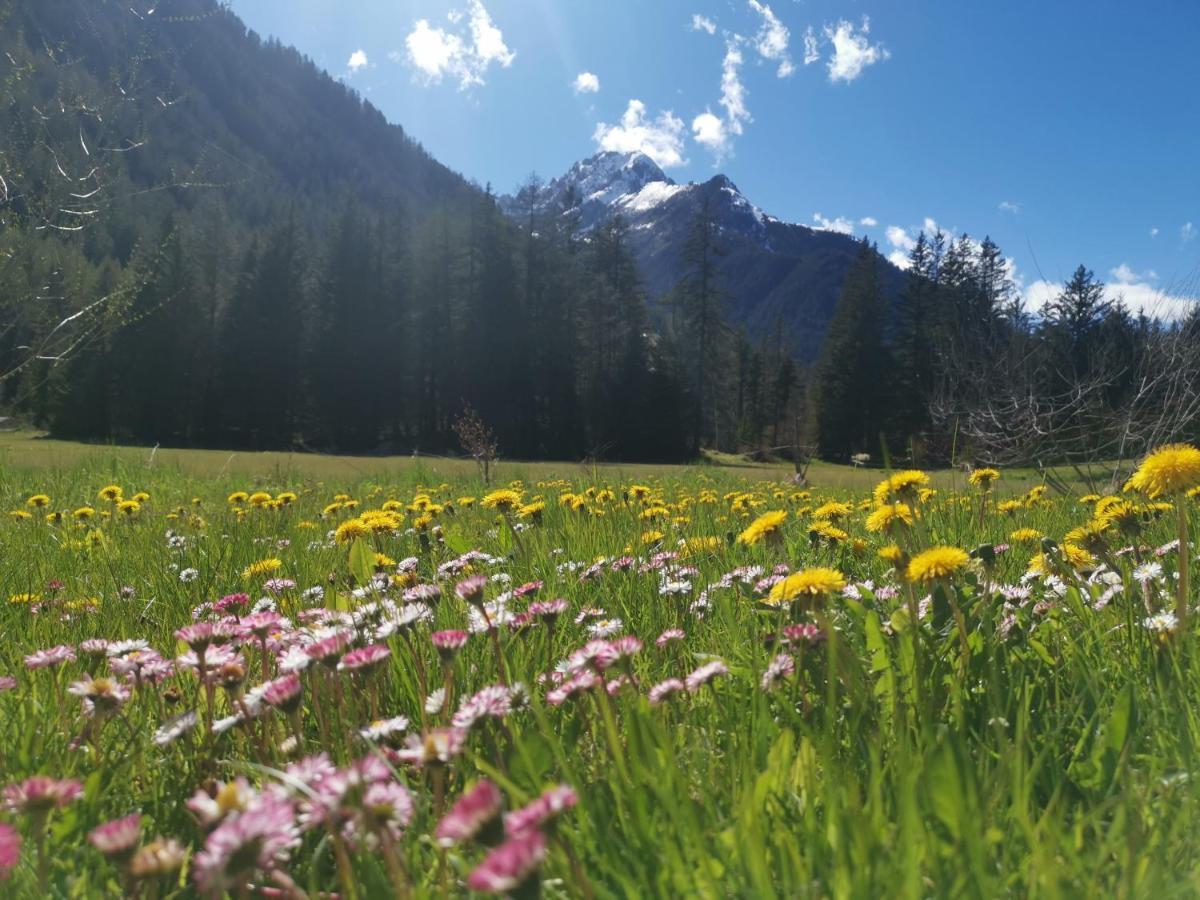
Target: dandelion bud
<point>159,858</point>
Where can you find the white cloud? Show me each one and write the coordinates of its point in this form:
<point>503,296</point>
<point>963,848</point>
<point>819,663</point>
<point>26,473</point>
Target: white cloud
<point>703,23</point>
<point>1122,274</point>
<point>717,133</point>
<point>1139,297</point>
<point>586,83</point>
<point>1187,232</point>
<point>709,131</point>
<point>868,221</point>
<point>852,52</point>
<point>812,51</point>
<point>1153,232</point>
<point>901,243</point>
<point>771,40</point>
<point>358,59</point>
<point>841,224</point>
<point>1009,206</point>
<point>437,52</point>
<point>733,92</point>
<point>661,138</point>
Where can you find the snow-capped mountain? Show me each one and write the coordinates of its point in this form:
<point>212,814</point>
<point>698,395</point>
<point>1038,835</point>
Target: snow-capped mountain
<point>775,273</point>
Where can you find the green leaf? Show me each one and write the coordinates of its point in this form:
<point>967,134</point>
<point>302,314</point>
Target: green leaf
<point>362,561</point>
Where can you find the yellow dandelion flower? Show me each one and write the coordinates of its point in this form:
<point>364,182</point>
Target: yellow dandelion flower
<point>832,511</point>
<point>1173,469</point>
<point>984,478</point>
<point>262,567</point>
<point>286,498</point>
<point>532,510</point>
<point>894,555</point>
<point>237,497</point>
<point>37,501</point>
<point>129,507</point>
<point>111,493</point>
<point>906,485</point>
<point>1077,557</point>
<point>141,496</point>
<point>504,500</point>
<point>765,527</point>
<point>651,537</point>
<point>887,518</point>
<point>350,530</point>
<point>936,563</point>
<point>1025,536</point>
<point>20,515</point>
<point>1091,535</point>
<point>809,584</point>
<point>84,512</point>
<point>820,530</point>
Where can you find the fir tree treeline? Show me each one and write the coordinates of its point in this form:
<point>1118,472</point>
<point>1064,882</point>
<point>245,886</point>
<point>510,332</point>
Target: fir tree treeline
<point>372,335</point>
<point>957,367</point>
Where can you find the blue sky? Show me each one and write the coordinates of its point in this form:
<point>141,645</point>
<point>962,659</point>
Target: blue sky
<point>1068,131</point>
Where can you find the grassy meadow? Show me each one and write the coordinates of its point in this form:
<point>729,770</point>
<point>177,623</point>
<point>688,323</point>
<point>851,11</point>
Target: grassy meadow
<point>282,675</point>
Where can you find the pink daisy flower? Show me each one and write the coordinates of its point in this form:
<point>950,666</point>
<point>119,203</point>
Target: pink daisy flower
<point>473,812</point>
<point>542,810</point>
<point>664,690</point>
<point>39,794</point>
<point>10,849</point>
<point>258,839</point>
<point>510,865</point>
<point>364,659</point>
<point>704,674</point>
<point>44,659</point>
<point>119,838</point>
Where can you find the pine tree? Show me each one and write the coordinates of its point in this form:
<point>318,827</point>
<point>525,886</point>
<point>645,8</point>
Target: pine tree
<point>701,301</point>
<point>849,380</point>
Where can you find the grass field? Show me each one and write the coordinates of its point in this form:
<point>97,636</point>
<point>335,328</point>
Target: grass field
<point>272,674</point>
<point>24,450</point>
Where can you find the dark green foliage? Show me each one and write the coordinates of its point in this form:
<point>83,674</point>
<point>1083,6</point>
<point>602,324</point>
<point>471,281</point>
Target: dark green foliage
<point>273,265</point>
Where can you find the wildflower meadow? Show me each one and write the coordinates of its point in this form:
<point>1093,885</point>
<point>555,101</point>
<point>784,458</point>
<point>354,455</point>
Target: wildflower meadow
<point>690,685</point>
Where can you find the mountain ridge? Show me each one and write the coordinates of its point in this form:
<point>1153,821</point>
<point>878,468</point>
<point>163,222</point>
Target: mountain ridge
<point>777,275</point>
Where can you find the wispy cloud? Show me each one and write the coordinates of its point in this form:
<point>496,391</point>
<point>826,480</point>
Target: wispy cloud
<point>1009,206</point>
<point>660,138</point>
<point>718,132</point>
<point>1187,232</point>
<point>812,46</point>
<point>586,83</point>
<point>852,51</point>
<point>464,55</point>
<point>703,23</point>
<point>868,221</point>
<point>358,60</point>
<point>1123,274</point>
<point>772,39</point>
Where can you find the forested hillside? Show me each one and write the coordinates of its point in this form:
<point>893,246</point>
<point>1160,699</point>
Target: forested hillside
<point>249,255</point>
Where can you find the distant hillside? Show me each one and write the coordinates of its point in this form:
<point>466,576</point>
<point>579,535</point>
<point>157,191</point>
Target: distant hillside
<point>211,108</point>
<point>773,271</point>
<point>206,240</point>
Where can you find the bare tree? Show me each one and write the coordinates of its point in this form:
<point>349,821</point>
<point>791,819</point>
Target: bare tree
<point>1028,405</point>
<point>477,440</point>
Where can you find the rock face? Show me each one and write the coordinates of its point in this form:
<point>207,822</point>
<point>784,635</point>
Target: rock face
<point>775,273</point>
